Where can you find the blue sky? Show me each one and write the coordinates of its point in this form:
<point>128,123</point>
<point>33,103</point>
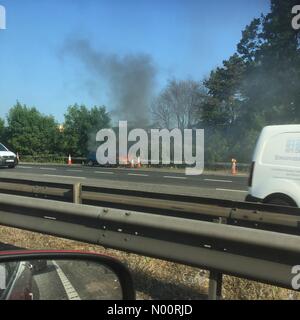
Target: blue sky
<point>185,38</point>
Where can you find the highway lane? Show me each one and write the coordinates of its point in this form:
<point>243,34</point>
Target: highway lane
<point>75,280</point>
<point>90,280</point>
<point>138,175</point>
<point>219,185</point>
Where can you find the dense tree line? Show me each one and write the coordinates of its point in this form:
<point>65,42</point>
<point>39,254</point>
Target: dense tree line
<point>31,133</point>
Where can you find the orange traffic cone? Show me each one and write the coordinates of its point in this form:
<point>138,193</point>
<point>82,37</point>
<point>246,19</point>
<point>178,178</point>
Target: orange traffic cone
<point>233,167</point>
<point>70,160</point>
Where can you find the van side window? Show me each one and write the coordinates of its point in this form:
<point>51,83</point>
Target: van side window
<point>292,146</point>
<point>297,147</point>
<point>289,146</point>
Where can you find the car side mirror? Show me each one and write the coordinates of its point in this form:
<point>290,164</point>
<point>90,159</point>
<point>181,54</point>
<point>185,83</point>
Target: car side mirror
<point>63,275</point>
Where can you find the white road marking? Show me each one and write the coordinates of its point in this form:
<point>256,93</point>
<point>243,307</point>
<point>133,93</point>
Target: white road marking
<point>22,167</point>
<point>52,169</point>
<point>231,190</point>
<point>173,177</point>
<point>74,170</point>
<point>58,176</point>
<point>70,290</point>
<point>215,180</point>
<point>138,174</point>
<point>103,172</point>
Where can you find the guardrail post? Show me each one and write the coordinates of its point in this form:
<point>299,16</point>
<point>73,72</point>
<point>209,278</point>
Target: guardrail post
<point>77,187</point>
<point>215,285</point>
<point>215,279</point>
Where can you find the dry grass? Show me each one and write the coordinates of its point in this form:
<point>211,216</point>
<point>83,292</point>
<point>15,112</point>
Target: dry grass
<point>154,279</point>
<point>240,289</point>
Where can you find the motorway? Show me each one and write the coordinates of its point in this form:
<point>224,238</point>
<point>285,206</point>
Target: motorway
<point>216,185</point>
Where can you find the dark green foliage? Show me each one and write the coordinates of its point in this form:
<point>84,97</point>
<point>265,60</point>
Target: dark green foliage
<point>258,86</point>
<point>81,126</point>
<point>2,130</point>
<point>31,133</point>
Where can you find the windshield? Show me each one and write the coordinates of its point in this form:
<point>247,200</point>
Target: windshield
<point>2,148</point>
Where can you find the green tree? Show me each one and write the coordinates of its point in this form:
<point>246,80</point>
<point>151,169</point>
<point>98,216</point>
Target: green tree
<point>222,107</point>
<point>271,49</point>
<point>216,146</point>
<point>2,130</point>
<point>81,126</point>
<point>258,85</point>
<point>31,133</point>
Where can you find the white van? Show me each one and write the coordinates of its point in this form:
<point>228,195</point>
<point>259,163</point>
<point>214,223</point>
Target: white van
<point>7,158</point>
<point>275,171</point>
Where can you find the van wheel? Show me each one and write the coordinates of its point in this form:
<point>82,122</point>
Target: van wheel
<point>281,201</point>
<point>11,167</point>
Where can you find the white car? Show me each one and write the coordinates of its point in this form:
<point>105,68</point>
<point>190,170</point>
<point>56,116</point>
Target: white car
<point>7,158</point>
<point>275,171</point>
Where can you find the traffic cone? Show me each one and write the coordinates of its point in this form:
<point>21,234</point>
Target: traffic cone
<point>70,160</point>
<point>233,167</point>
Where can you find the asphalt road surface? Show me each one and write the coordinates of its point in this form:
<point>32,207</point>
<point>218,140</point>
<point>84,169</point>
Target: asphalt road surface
<point>218,185</point>
<point>75,280</point>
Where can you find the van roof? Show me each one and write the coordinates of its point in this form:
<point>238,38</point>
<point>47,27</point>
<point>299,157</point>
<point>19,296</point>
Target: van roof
<point>270,131</point>
<point>281,128</point>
